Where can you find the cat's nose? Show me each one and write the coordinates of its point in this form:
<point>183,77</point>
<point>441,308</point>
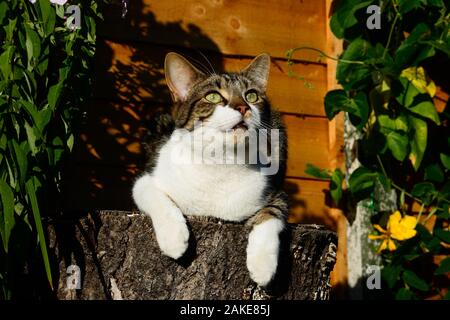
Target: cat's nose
<point>242,109</point>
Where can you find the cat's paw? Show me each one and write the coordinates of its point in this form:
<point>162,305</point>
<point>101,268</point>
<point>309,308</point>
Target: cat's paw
<point>262,251</point>
<point>173,239</point>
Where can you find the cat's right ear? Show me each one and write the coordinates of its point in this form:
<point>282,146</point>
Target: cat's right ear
<point>181,75</point>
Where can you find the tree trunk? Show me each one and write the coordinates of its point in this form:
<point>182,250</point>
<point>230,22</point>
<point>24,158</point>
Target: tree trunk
<point>118,258</point>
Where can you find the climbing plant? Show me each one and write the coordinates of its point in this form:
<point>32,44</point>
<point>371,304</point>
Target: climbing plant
<point>389,78</point>
<point>45,77</point>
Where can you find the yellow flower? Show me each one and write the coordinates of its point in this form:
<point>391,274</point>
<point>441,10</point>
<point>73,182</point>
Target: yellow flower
<point>398,228</point>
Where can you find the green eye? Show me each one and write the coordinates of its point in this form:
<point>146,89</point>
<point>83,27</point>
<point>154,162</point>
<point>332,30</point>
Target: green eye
<point>213,97</point>
<point>251,97</point>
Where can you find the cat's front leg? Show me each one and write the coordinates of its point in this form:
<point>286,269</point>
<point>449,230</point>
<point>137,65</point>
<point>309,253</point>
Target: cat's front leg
<point>170,227</point>
<point>264,240</point>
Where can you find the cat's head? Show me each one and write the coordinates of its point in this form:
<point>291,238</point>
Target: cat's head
<point>225,102</point>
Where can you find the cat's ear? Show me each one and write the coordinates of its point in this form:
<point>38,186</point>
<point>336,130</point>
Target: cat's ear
<point>258,70</point>
<point>181,75</point>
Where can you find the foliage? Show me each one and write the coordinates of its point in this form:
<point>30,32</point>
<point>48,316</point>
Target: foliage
<point>45,77</point>
<point>389,96</point>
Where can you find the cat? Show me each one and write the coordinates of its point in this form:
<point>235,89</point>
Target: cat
<point>228,106</point>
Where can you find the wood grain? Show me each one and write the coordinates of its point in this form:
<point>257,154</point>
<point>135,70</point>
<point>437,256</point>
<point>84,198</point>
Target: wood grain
<point>246,27</point>
<point>135,72</point>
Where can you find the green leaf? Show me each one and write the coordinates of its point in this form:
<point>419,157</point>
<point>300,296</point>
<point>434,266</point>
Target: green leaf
<point>21,160</point>
<point>418,142</point>
<point>442,234</point>
<point>398,144</point>
<point>48,16</point>
<point>351,75</point>
<point>411,52</point>
<point>6,62</point>
<point>434,173</point>
<point>31,192</point>
<point>317,172</point>
<point>424,191</point>
<point>337,101</point>
<point>412,279</point>
<point>7,223</point>
<point>54,94</point>
<point>445,159</point>
<point>344,18</point>
<point>336,185</point>
<point>391,274</point>
<point>426,109</point>
<point>362,182</point>
<point>444,267</point>
<point>404,294</point>
<point>33,46</point>
<point>408,5</point>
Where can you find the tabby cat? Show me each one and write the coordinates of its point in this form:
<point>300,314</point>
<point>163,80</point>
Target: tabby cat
<point>210,106</point>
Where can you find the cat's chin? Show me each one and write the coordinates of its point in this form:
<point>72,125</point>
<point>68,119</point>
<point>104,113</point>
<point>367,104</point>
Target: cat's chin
<point>240,126</point>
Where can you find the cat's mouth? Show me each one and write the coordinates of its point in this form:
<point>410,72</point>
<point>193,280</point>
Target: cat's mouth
<point>241,125</point>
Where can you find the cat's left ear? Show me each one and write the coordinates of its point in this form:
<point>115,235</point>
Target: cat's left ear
<point>181,75</point>
<point>258,70</point>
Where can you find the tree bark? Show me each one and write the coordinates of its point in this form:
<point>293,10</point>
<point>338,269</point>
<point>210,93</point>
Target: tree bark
<point>118,258</point>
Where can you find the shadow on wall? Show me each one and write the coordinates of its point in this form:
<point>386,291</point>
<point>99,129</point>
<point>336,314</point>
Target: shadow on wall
<point>129,90</point>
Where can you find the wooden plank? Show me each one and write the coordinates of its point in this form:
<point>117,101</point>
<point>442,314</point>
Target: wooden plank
<point>246,27</point>
<point>135,73</point>
<point>307,143</point>
<point>339,275</point>
<point>114,131</point>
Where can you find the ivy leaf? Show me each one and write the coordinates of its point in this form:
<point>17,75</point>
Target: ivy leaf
<point>444,267</point>
<point>391,274</point>
<point>406,6</point>
<point>425,191</point>
<point>355,75</point>
<point>442,234</point>
<point>426,109</point>
<point>317,172</point>
<point>434,173</point>
<point>404,294</point>
<point>344,16</point>
<point>412,279</point>
<point>336,185</point>
<point>445,159</point>
<point>418,142</point>
<point>398,144</point>
<point>338,100</point>
<point>362,182</point>
<point>412,51</point>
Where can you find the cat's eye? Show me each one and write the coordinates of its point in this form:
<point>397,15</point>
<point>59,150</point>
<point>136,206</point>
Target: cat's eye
<point>213,97</point>
<point>251,97</point>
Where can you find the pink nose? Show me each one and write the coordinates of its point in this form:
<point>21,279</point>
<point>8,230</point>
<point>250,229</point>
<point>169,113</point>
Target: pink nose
<point>242,109</point>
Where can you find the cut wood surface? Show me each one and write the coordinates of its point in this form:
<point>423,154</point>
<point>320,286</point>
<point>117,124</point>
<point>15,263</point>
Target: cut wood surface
<point>232,27</point>
<point>119,258</point>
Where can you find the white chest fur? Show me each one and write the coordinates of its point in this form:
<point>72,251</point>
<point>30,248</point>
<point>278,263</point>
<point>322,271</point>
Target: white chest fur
<point>227,191</point>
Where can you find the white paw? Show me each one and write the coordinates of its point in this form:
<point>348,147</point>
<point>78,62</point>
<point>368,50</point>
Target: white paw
<point>173,239</point>
<point>262,266</point>
<point>262,251</point>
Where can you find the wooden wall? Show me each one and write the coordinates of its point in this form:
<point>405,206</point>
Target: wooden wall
<point>130,87</point>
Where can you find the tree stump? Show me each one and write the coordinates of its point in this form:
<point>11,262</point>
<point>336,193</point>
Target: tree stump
<point>117,256</point>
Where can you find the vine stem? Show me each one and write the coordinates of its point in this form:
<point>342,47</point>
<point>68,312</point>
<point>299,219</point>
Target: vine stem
<point>291,52</point>
<point>397,15</point>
